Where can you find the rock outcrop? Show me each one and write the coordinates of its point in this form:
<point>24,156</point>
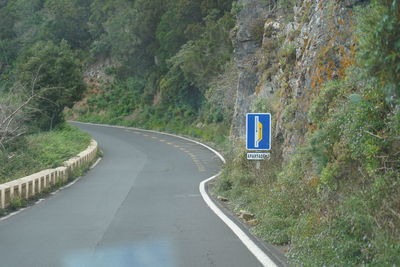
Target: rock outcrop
<point>247,41</point>
<point>297,53</point>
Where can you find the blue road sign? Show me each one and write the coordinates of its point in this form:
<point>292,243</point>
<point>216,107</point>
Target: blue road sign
<point>258,131</point>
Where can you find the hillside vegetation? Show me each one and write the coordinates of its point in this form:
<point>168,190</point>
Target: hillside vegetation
<point>41,73</point>
<point>166,62</point>
<point>335,201</point>
<point>171,65</point>
<point>42,151</point>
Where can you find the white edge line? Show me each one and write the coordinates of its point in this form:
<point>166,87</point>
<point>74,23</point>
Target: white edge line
<point>257,252</point>
<point>246,240</point>
<point>12,214</point>
<point>95,164</point>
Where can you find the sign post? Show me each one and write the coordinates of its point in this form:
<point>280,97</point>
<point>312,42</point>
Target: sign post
<point>258,136</point>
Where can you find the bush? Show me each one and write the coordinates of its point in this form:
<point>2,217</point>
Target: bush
<point>379,49</point>
<point>55,74</point>
<point>17,203</point>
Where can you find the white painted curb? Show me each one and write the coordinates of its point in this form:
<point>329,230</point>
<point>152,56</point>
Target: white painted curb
<point>261,256</point>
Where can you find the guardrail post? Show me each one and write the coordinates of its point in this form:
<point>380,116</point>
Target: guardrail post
<point>11,193</point>
<point>27,190</point>
<point>2,197</point>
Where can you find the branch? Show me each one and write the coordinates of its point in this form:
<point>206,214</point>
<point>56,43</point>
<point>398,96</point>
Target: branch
<point>35,79</point>
<point>29,98</point>
<point>394,212</point>
<point>17,110</point>
<point>33,95</point>
<point>377,136</point>
<point>2,143</point>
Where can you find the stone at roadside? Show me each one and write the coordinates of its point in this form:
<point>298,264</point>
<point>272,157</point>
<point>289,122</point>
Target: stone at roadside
<point>247,216</point>
<point>221,198</point>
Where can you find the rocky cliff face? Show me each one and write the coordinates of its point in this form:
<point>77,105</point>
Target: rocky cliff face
<point>246,44</point>
<point>284,67</point>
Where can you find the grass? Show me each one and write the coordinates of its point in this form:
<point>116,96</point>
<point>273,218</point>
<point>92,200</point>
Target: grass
<point>42,151</point>
<point>335,201</point>
<point>355,225</point>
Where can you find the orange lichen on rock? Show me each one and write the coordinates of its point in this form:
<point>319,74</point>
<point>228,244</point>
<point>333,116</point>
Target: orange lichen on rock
<point>258,90</point>
<point>346,60</point>
<point>329,68</point>
<point>322,74</point>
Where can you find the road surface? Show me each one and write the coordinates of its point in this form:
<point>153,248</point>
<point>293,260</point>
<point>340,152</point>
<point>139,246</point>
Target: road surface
<point>140,206</point>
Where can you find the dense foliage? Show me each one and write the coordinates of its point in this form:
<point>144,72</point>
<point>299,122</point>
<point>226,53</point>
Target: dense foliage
<point>39,52</point>
<point>173,48</point>
<point>335,203</point>
<point>164,57</point>
<point>54,72</point>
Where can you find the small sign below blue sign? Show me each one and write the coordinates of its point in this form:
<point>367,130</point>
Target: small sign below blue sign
<point>258,131</point>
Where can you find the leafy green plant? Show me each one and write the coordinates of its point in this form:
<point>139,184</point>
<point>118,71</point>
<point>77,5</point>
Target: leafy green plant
<point>379,53</point>
<point>17,203</point>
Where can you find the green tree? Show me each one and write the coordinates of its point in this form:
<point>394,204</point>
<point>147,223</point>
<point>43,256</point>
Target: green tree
<point>8,42</point>
<point>66,20</point>
<point>126,46</point>
<point>170,36</point>
<point>204,58</point>
<point>55,72</point>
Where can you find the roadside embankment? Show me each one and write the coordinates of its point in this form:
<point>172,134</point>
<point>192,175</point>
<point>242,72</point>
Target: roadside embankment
<point>29,186</point>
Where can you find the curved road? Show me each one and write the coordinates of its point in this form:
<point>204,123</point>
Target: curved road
<point>140,206</point>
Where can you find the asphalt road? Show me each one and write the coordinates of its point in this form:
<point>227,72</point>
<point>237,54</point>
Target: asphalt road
<point>140,206</point>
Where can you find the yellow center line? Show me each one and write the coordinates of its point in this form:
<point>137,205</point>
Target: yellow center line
<point>197,162</point>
